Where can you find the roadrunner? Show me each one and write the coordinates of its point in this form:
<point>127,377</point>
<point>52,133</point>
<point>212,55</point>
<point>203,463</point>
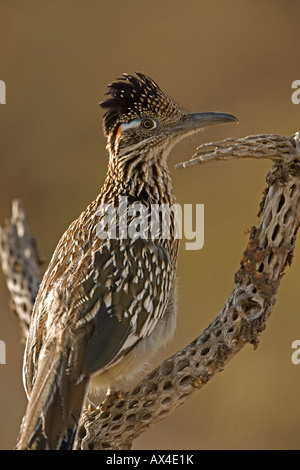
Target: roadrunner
<point>106,305</point>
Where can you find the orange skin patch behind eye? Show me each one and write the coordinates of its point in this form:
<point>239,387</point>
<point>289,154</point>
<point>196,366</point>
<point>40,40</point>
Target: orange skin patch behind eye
<point>118,132</point>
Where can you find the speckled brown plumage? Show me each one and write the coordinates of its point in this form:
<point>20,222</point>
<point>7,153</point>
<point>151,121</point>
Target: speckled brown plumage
<point>106,306</point>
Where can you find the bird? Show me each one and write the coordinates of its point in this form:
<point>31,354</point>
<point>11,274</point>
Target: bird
<point>107,304</point>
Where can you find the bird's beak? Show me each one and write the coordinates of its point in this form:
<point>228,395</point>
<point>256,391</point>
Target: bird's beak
<point>196,121</point>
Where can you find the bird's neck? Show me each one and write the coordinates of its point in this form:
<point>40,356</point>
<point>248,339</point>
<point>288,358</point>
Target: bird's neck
<point>145,178</point>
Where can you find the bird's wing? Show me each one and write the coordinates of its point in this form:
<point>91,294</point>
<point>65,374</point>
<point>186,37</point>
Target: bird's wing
<point>100,307</point>
<point>125,295</point>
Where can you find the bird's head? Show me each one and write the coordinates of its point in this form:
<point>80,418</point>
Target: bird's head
<point>141,121</point>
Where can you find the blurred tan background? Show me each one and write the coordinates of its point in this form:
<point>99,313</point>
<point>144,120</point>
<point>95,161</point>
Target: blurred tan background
<point>240,57</point>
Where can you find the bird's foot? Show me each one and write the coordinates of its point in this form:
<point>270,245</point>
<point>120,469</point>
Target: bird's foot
<point>111,397</point>
<point>90,405</point>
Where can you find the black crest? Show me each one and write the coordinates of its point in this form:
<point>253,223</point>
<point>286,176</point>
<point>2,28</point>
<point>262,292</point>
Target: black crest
<point>135,96</point>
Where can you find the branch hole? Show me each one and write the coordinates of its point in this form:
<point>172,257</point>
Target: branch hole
<point>166,401</point>
<point>167,368</point>
<point>240,292</point>
<point>235,315</point>
<point>146,417</point>
<point>167,385</point>
<point>292,190</point>
<point>205,351</point>
<point>182,365</point>
<point>104,445</point>
<point>281,202</point>
<point>81,432</point>
<point>151,387</point>
<point>261,267</point>
<point>148,404</point>
<point>152,375</point>
<point>163,412</point>
<point>205,338</point>
<point>275,232</point>
<point>133,404</point>
<point>182,397</point>
<point>131,418</point>
<point>115,428</point>
<point>185,381</point>
<point>265,242</point>
<point>129,428</point>
<point>117,417</point>
<point>270,257</point>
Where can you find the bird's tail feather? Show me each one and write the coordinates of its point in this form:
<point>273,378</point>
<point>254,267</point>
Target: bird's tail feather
<point>54,407</point>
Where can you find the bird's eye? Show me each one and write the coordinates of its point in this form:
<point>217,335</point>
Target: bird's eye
<point>148,123</point>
